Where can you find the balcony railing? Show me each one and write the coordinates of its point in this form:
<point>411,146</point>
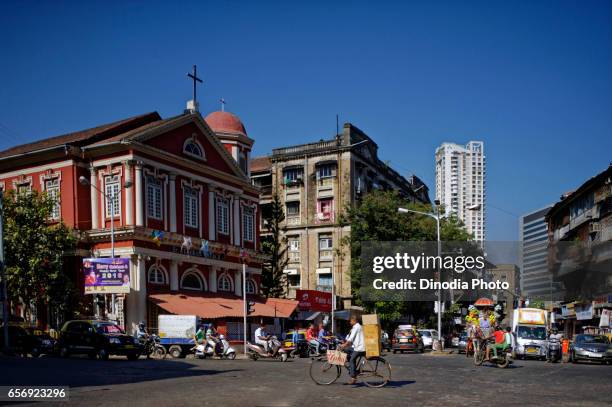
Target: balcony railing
<point>306,148</point>
<point>294,256</point>
<point>324,217</point>
<point>294,221</point>
<point>325,254</point>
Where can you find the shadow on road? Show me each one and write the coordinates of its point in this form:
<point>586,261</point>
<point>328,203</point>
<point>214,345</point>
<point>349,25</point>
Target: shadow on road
<point>394,384</point>
<point>76,372</point>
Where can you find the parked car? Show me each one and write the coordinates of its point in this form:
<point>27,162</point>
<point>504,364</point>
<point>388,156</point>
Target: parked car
<point>591,347</point>
<point>462,343</point>
<point>429,335</point>
<point>97,339</point>
<point>455,341</point>
<point>28,341</point>
<point>406,339</point>
<point>43,343</point>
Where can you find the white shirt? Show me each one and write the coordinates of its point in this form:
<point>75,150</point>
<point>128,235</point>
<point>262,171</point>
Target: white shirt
<point>356,338</point>
<point>260,332</point>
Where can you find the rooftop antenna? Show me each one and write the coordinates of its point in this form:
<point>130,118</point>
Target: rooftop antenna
<point>337,125</point>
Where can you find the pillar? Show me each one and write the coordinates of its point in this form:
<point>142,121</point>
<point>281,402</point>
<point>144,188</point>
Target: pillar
<point>212,224</point>
<point>212,279</point>
<point>137,298</point>
<point>172,196</point>
<point>236,221</point>
<point>174,281</point>
<point>238,283</point>
<point>139,195</point>
<point>95,210</point>
<point>129,196</point>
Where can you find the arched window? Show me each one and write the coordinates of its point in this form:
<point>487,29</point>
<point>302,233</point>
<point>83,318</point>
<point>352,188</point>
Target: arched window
<point>193,148</point>
<point>157,275</point>
<point>251,286</point>
<point>225,283</point>
<point>193,280</point>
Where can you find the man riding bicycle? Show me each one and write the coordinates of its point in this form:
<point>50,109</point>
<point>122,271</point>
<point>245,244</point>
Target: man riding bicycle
<point>355,342</point>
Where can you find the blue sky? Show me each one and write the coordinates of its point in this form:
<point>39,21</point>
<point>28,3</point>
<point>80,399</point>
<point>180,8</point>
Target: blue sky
<point>532,79</point>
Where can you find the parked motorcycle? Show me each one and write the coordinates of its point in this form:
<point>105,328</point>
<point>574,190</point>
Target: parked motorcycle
<point>211,348</point>
<point>153,348</point>
<point>256,351</point>
<point>554,350</point>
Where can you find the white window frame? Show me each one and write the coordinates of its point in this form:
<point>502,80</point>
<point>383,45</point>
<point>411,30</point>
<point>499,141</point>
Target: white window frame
<point>248,224</point>
<point>191,207</point>
<point>155,191</point>
<point>294,244</point>
<point>112,182</point>
<point>193,142</point>
<point>327,239</point>
<point>159,271</point>
<point>222,213</point>
<point>24,188</point>
<point>52,188</point>
<point>196,273</point>
<point>225,277</point>
<point>250,283</point>
<point>326,171</point>
<point>287,208</point>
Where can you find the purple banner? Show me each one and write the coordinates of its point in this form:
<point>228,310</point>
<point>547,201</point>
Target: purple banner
<point>106,276</point>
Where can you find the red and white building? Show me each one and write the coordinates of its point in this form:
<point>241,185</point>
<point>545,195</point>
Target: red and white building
<point>183,222</point>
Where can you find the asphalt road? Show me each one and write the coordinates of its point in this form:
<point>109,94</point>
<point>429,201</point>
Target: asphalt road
<point>416,379</point>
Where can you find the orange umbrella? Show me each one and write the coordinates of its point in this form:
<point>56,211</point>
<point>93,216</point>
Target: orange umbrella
<point>484,302</point>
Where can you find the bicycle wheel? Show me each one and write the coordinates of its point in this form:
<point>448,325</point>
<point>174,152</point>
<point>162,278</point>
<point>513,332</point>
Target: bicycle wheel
<point>322,372</point>
<point>375,372</point>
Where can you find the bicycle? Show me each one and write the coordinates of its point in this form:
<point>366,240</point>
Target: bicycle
<point>373,372</point>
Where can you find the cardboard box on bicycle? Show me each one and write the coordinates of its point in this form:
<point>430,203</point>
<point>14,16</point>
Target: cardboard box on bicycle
<point>370,319</point>
<point>371,334</point>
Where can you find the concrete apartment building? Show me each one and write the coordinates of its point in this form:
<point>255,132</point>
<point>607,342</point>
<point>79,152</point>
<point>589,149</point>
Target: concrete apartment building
<point>315,182</point>
<point>460,184</point>
<point>533,236</point>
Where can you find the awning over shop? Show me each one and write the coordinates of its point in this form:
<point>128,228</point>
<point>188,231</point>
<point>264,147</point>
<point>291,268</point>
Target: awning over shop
<point>215,306</point>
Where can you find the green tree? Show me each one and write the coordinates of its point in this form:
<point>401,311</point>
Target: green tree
<point>376,219</point>
<point>35,252</point>
<point>274,247</point>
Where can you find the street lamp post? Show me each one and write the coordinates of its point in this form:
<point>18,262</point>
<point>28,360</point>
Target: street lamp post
<point>109,198</point>
<point>436,216</point>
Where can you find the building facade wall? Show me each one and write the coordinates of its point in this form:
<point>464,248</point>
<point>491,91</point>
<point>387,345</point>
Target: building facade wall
<point>142,213</point>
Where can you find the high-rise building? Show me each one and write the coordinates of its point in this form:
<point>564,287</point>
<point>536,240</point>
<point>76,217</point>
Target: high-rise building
<point>533,236</point>
<point>460,184</point>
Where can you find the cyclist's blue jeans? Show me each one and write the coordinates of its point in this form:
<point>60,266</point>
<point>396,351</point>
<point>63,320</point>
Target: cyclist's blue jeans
<point>352,361</point>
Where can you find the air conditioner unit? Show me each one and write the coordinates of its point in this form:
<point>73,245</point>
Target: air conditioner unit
<point>595,227</point>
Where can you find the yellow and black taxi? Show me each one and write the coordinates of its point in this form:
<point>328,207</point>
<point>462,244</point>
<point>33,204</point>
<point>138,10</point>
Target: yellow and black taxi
<point>295,342</point>
<point>97,338</point>
<point>25,340</point>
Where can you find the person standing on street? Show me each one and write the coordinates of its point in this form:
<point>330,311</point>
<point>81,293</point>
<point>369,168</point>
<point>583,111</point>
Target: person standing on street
<point>354,346</point>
